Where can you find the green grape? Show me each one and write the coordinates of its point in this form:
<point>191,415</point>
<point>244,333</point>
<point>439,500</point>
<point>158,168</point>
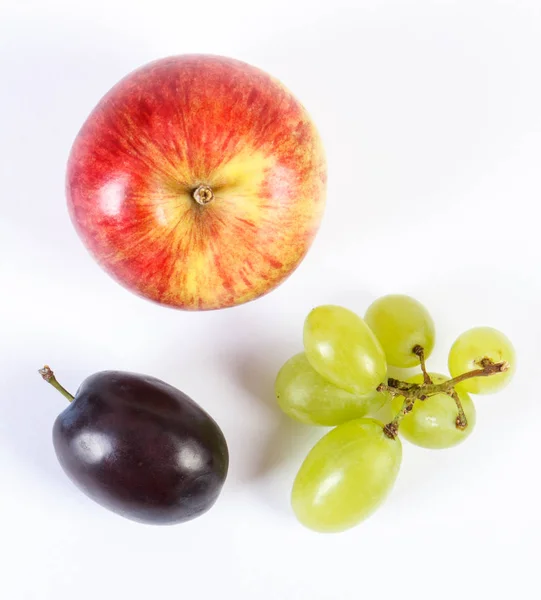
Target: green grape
<point>400,323</point>
<point>432,422</point>
<point>346,476</point>
<point>471,348</point>
<point>342,349</point>
<point>305,396</point>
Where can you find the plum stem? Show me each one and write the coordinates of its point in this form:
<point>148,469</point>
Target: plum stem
<point>49,377</point>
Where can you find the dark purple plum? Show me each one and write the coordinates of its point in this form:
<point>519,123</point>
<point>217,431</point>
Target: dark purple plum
<point>140,447</point>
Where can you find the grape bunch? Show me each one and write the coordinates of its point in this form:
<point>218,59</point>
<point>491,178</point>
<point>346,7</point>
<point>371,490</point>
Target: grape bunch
<point>341,378</point>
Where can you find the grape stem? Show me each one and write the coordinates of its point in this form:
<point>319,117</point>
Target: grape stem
<point>391,429</point>
<point>413,391</point>
<point>488,368</point>
<point>49,377</point>
<point>461,421</point>
<point>420,352</point>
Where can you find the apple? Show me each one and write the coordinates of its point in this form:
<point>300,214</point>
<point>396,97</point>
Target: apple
<point>197,182</point>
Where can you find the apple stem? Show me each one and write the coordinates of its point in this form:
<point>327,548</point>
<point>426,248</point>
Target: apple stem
<point>203,194</point>
<point>48,376</point>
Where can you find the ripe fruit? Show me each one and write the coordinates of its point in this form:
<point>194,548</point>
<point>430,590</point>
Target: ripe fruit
<point>432,422</point>
<point>346,476</point>
<point>305,396</point>
<point>401,323</point>
<point>475,346</point>
<point>350,471</point>
<point>342,349</point>
<point>140,447</point>
<point>197,182</point>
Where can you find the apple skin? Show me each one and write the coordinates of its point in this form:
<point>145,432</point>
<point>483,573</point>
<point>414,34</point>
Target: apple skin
<point>162,132</point>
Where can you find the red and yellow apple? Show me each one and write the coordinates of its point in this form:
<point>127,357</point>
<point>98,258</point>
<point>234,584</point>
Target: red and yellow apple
<point>197,182</point>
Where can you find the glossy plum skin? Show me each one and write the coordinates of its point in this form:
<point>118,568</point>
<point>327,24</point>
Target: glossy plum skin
<point>141,448</point>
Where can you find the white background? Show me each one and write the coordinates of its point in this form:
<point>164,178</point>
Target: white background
<point>431,116</point>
